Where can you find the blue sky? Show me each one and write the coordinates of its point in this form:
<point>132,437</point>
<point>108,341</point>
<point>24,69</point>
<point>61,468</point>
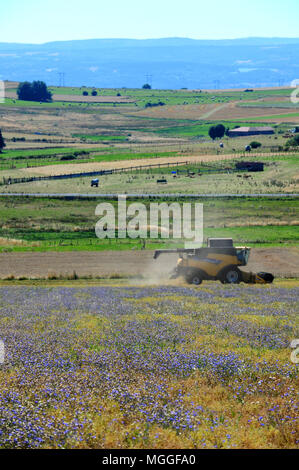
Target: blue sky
<point>36,21</point>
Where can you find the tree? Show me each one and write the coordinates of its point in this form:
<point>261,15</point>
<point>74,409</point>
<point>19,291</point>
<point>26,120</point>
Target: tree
<point>212,132</point>
<point>35,91</point>
<point>24,91</point>
<point>217,131</point>
<point>147,86</point>
<point>94,92</point>
<point>294,142</point>
<point>85,93</point>
<point>2,143</point>
<point>220,130</point>
<point>40,91</point>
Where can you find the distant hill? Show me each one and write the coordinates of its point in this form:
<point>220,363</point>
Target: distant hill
<point>168,63</point>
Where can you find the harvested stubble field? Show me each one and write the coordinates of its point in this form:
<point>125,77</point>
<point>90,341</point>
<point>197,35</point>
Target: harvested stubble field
<point>121,366</point>
<point>106,165</point>
<point>215,112</point>
<point>136,264</point>
<point>280,175</point>
<point>61,124</point>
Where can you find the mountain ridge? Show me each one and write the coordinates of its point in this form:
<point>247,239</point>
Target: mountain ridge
<point>171,62</point>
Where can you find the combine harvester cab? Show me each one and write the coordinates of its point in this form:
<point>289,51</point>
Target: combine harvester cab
<point>220,260</point>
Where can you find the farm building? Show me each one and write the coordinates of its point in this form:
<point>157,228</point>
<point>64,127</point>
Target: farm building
<point>245,131</point>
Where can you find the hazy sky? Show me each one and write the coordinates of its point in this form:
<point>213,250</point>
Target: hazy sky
<point>36,21</point>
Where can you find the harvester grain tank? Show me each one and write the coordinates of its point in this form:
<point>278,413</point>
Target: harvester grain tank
<point>220,260</point>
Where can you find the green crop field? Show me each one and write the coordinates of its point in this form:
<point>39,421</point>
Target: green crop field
<point>289,116</point>
<point>45,224</point>
<point>201,129</point>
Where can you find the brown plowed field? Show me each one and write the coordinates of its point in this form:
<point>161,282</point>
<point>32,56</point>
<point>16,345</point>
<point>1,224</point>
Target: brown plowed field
<point>280,261</point>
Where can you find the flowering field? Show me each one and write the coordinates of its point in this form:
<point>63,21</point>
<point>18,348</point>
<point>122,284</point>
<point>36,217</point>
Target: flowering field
<point>149,367</point>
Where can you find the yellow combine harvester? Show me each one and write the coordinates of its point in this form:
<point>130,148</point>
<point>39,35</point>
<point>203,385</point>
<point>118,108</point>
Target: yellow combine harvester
<point>220,260</point>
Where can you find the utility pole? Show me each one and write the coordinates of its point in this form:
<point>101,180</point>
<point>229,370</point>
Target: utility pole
<point>61,79</point>
<point>149,79</point>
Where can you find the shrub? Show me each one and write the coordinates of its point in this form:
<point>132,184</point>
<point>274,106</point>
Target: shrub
<point>68,157</point>
<point>85,93</point>
<point>255,145</point>
<point>149,104</point>
<point>2,143</point>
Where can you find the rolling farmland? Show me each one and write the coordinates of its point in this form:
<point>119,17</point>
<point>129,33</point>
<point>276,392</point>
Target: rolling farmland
<point>102,349</point>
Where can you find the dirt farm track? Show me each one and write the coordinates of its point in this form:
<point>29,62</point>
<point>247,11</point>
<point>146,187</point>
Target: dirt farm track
<point>282,262</point>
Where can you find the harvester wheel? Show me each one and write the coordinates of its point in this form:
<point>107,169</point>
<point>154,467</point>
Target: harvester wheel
<point>231,275</point>
<point>194,277</point>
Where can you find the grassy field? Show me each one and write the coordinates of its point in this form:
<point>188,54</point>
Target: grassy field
<point>137,127</point>
<point>290,117</point>
<point>130,136</point>
<point>201,129</point>
<point>176,97</point>
<point>269,104</point>
<point>143,97</point>
<point>10,102</point>
<point>44,224</point>
<point>118,366</point>
<point>42,241</point>
<point>17,159</point>
<point>279,176</point>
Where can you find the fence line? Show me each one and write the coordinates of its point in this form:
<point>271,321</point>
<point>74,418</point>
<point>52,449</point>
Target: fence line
<point>126,169</point>
<point>92,173</point>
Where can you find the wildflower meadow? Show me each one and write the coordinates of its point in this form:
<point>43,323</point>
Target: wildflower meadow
<point>123,366</point>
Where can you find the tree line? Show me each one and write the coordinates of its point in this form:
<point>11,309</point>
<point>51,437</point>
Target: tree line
<point>35,91</point>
